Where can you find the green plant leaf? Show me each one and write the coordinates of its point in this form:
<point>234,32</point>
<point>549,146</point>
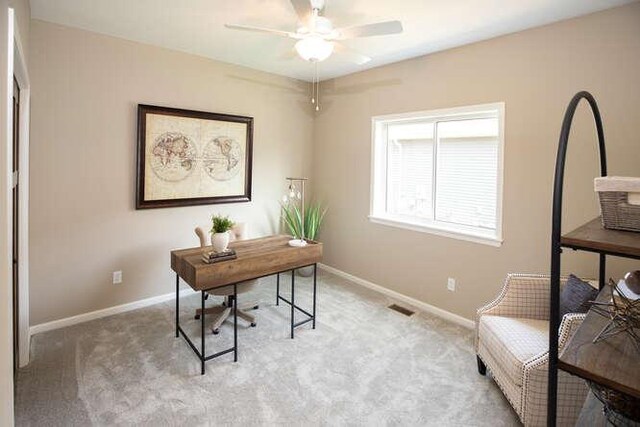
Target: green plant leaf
<point>221,224</point>
<point>307,227</point>
<point>291,216</point>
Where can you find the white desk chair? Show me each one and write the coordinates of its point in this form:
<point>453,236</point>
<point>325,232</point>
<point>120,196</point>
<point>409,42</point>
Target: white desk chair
<point>222,312</point>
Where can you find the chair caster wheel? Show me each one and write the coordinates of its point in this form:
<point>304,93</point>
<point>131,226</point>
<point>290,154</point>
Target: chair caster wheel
<point>215,331</point>
<point>197,316</point>
<point>255,307</point>
<point>253,325</point>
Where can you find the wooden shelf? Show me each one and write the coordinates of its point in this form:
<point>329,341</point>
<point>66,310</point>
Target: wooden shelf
<point>593,237</point>
<point>612,363</point>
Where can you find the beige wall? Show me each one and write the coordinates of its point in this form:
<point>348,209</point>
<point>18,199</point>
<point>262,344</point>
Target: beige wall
<point>86,87</point>
<point>83,144</point>
<point>535,72</point>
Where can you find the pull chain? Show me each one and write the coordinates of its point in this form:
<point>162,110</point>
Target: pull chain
<point>317,89</point>
<point>313,89</point>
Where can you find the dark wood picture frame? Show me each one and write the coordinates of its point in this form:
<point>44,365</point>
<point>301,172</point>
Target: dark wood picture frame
<point>142,203</point>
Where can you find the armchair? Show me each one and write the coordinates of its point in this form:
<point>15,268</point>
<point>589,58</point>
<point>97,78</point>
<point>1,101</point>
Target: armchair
<point>512,340</point>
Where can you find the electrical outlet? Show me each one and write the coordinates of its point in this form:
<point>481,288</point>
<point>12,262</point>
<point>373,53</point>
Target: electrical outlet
<point>117,277</point>
<point>451,284</point>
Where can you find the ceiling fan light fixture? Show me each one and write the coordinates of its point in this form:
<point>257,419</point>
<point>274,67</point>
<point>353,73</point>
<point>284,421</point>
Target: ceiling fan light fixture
<point>314,48</point>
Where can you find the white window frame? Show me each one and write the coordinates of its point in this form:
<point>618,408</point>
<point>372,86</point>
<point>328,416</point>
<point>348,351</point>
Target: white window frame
<point>377,209</point>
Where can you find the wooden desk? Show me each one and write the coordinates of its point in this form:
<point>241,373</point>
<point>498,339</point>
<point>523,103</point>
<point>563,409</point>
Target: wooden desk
<point>611,363</point>
<point>255,258</point>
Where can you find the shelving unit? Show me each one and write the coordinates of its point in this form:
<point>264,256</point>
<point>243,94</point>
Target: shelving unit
<point>611,363</point>
<point>591,237</point>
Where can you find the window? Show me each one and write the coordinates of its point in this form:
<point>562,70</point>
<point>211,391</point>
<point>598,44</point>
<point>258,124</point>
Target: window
<point>440,172</point>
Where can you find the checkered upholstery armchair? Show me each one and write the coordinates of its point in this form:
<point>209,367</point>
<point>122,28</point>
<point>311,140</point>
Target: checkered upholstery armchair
<point>512,340</point>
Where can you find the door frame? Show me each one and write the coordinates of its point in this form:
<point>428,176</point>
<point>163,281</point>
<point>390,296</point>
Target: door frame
<point>18,67</point>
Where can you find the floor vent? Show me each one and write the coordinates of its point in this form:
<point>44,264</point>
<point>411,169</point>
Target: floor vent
<point>402,310</point>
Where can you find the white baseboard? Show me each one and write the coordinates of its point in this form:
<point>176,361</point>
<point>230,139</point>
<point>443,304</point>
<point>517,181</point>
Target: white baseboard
<point>110,311</point>
<point>423,306</point>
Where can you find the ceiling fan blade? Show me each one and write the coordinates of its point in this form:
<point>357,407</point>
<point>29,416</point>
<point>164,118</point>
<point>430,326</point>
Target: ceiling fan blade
<point>303,9</point>
<point>368,30</point>
<point>350,55</point>
<point>261,30</point>
<point>288,55</point>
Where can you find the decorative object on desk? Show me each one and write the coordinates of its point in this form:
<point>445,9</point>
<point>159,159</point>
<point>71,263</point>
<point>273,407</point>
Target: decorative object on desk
<point>220,227</point>
<point>293,210</point>
<point>192,158</point>
<point>619,202</point>
<point>302,221</point>
<point>623,314</point>
<point>213,257</point>
<point>313,216</point>
<point>293,220</point>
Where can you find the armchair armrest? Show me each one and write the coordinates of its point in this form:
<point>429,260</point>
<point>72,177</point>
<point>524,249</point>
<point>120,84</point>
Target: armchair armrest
<point>523,295</point>
<point>568,326</point>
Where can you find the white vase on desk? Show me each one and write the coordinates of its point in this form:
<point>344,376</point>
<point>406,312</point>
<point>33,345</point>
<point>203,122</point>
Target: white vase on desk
<point>220,241</point>
<point>298,243</point>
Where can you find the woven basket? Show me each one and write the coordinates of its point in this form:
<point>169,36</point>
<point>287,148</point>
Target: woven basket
<point>618,202</point>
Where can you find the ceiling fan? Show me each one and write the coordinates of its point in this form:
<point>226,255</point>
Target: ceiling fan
<point>316,37</point>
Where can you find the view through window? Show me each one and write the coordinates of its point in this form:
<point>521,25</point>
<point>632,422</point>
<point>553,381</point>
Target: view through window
<point>440,170</point>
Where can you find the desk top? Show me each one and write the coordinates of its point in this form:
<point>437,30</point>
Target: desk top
<point>255,258</point>
<point>611,362</point>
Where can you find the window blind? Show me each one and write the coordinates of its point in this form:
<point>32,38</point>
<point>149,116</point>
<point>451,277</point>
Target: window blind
<point>410,177</point>
<point>467,172</point>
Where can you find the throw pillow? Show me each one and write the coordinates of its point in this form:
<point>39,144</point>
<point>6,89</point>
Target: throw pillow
<point>575,296</point>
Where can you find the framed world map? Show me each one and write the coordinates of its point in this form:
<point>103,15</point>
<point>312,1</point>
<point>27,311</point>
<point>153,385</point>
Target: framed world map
<point>190,158</point>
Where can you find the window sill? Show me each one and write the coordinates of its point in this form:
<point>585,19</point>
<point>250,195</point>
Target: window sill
<point>437,230</point>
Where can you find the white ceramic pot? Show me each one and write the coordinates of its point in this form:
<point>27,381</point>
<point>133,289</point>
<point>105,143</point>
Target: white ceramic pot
<point>220,241</point>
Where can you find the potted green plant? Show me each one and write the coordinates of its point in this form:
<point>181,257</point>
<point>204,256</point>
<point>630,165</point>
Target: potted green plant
<point>220,226</point>
<point>293,220</point>
<point>304,228</point>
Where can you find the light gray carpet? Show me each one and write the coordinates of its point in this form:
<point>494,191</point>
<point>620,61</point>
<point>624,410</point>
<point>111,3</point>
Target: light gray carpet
<point>363,365</point>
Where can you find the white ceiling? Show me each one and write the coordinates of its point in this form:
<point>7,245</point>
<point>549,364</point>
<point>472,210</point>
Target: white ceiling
<point>197,26</point>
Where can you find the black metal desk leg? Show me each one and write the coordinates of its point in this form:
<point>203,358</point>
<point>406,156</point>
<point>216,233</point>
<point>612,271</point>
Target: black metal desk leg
<point>293,300</point>
<point>315,268</point>
<point>235,322</point>
<point>177,305</point>
<point>202,298</point>
<point>278,289</point>
<point>603,269</point>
